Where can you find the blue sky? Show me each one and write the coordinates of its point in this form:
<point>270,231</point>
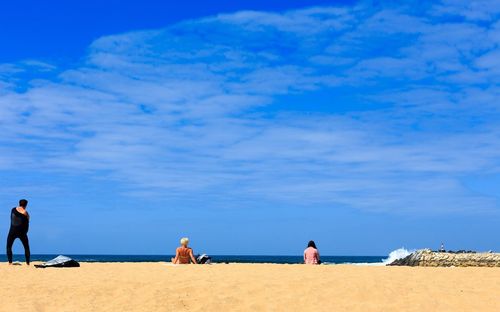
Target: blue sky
<point>252,127</point>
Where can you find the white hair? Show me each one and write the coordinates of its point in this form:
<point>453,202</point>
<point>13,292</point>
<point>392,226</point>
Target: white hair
<point>184,241</point>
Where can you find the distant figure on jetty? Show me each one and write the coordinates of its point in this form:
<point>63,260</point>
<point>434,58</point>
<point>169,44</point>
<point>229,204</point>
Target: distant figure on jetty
<point>311,254</point>
<point>19,225</point>
<point>184,254</point>
<point>441,249</point>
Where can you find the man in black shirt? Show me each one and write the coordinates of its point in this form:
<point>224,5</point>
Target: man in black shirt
<point>19,225</point>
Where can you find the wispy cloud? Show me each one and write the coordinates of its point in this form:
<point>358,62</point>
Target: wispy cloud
<point>191,109</point>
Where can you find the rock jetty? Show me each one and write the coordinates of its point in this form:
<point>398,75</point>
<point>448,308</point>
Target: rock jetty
<point>427,257</point>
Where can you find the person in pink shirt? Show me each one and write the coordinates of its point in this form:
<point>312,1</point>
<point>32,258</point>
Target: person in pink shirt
<point>311,254</point>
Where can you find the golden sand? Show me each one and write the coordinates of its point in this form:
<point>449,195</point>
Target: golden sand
<point>247,287</point>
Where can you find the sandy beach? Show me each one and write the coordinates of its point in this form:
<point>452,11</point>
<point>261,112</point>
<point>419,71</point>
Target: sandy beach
<point>247,287</point>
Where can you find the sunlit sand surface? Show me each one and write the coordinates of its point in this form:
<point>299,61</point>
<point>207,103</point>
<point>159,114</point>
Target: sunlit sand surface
<point>247,287</point>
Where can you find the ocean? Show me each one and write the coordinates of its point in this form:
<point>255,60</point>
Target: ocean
<point>215,258</point>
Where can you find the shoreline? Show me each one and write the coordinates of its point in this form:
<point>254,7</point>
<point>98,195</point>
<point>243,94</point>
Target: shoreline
<point>168,263</point>
<point>215,258</point>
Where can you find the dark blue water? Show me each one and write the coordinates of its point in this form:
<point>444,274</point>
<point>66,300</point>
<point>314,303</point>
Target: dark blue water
<point>215,258</point>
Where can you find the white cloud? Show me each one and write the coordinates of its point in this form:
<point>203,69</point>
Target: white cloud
<point>477,10</point>
<point>188,110</point>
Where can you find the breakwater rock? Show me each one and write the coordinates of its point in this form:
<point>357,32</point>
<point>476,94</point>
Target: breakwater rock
<point>427,257</point>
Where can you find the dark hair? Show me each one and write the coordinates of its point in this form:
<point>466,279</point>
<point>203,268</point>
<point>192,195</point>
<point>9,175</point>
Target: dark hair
<point>312,244</point>
<point>23,203</point>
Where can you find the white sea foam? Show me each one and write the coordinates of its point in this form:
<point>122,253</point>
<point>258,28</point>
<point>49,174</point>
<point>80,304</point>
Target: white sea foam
<point>397,254</point>
<point>367,263</point>
<point>393,255</point>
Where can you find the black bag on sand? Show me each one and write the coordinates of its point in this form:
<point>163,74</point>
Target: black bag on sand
<point>204,259</point>
<point>59,262</point>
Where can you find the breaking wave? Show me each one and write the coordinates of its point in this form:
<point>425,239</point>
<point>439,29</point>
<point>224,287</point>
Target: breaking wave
<point>397,254</point>
<point>393,255</point>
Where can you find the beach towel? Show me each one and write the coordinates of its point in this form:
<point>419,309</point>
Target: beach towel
<point>59,262</point>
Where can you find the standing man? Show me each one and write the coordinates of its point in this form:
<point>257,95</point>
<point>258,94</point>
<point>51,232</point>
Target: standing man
<point>19,225</point>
